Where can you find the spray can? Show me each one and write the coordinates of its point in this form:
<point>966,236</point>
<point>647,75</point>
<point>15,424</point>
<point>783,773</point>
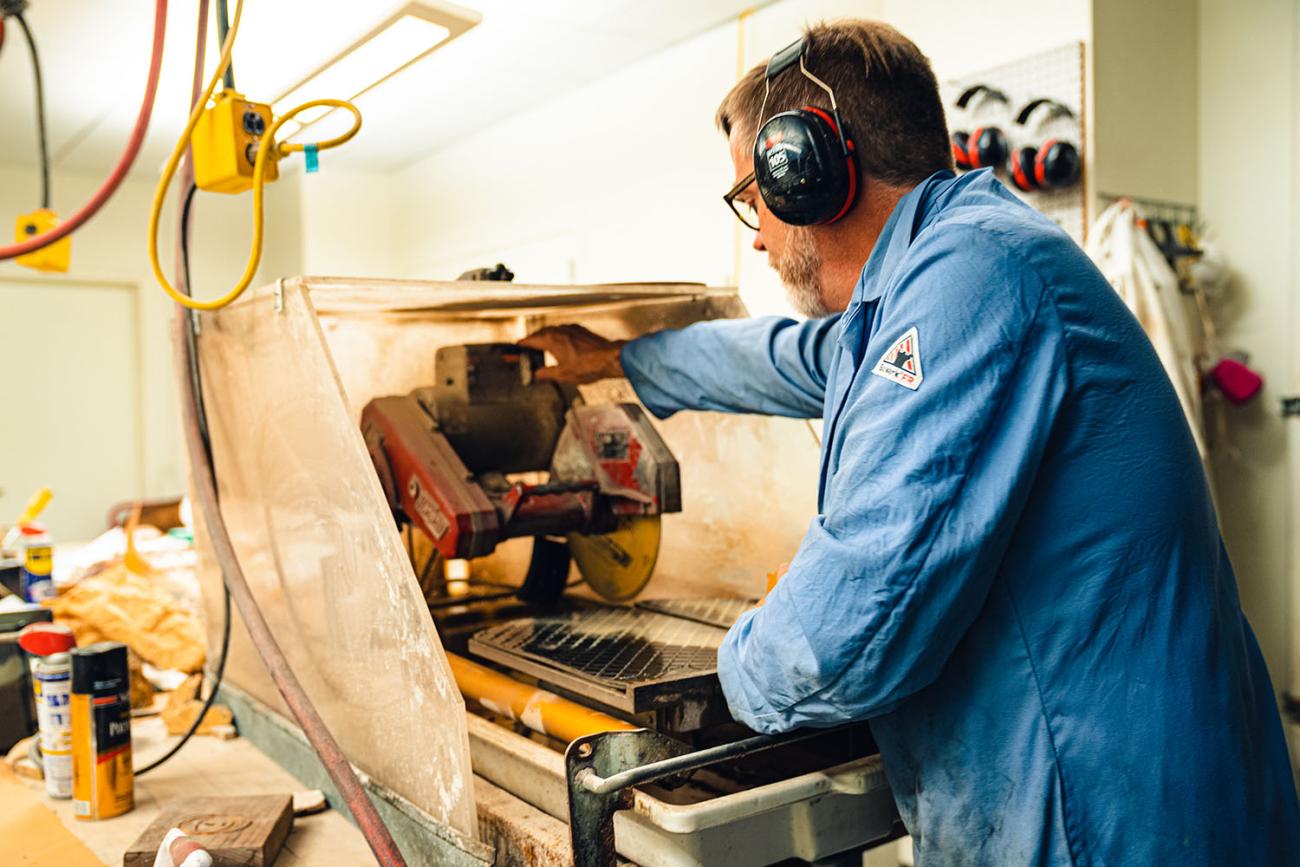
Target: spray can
<point>102,785</point>
<point>52,681</point>
<point>38,564</point>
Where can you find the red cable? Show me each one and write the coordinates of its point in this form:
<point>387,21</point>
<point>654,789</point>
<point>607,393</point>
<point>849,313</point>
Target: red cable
<point>114,179</point>
<point>322,741</point>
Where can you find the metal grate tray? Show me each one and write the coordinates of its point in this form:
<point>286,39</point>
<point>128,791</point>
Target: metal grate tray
<point>627,658</point>
<point>714,611</point>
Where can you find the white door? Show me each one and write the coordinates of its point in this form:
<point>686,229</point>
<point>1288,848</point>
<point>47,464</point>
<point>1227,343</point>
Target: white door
<point>69,402</point>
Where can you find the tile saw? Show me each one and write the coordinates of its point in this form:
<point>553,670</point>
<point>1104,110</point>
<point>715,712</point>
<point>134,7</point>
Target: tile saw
<point>455,459</point>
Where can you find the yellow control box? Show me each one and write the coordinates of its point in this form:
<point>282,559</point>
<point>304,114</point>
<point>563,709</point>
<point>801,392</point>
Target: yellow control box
<point>54,257</point>
<point>225,141</point>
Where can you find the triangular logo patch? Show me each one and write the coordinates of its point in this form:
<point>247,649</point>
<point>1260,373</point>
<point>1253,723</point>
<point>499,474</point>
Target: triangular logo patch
<point>901,363</point>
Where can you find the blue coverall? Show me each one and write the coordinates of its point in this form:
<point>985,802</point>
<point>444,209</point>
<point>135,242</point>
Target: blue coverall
<point>1016,572</point>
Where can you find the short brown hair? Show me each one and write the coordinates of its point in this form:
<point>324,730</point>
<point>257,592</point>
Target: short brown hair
<point>886,91</point>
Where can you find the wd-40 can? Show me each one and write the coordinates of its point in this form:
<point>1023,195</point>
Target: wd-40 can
<point>102,785</point>
<point>52,681</point>
<point>38,564</point>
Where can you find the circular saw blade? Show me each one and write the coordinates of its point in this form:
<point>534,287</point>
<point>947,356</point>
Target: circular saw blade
<point>617,565</point>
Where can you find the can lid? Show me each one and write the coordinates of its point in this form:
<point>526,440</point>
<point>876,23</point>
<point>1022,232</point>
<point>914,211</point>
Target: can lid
<point>56,660</point>
<point>99,666</point>
<point>43,639</point>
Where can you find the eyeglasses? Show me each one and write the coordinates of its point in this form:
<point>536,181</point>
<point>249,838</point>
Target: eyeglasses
<point>744,211</point>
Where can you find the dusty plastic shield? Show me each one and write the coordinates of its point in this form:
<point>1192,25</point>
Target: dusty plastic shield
<point>317,543</point>
<point>287,371</point>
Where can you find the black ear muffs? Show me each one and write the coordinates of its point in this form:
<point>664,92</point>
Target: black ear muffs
<point>987,146</point>
<point>1057,164</point>
<point>1053,165</point>
<point>804,162</point>
<point>806,173</point>
<point>1022,169</point>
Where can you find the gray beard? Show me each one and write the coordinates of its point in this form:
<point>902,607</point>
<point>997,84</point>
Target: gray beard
<point>800,270</point>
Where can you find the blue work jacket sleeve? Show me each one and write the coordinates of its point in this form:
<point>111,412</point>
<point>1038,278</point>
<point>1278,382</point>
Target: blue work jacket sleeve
<point>925,488</point>
<point>769,365</point>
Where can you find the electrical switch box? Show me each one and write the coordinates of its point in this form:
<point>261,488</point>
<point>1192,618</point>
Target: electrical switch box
<point>225,142</point>
<point>54,257</point>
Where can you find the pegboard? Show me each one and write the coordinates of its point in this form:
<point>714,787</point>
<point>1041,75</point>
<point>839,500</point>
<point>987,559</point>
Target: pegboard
<point>1058,74</point>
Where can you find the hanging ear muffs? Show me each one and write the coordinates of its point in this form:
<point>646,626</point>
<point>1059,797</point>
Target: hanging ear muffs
<point>1021,168</point>
<point>986,148</point>
<point>1054,164</point>
<point>985,145</point>
<point>804,162</point>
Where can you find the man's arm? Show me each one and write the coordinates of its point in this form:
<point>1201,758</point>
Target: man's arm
<point>770,365</point>
<point>928,486</point>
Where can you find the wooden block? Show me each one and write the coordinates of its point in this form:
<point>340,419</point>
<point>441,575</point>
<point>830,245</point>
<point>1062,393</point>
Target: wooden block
<point>246,831</point>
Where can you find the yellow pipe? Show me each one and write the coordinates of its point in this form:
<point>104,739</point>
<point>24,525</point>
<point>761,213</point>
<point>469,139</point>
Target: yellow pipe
<point>538,709</point>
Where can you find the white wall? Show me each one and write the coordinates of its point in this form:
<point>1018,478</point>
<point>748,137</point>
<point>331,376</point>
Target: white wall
<point>347,223</point>
<point>111,248</point>
<point>1248,189</point>
<point>622,180</point>
<point>1143,138</point>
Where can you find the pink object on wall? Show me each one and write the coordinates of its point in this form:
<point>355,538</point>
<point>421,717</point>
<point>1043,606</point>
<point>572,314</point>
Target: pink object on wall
<point>1236,380</point>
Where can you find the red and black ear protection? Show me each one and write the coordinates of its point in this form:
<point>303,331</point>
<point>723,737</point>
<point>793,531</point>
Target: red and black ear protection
<point>985,145</point>
<point>1053,164</point>
<point>804,162</point>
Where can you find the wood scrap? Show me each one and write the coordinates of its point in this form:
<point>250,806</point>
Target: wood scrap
<point>309,801</point>
<point>183,706</point>
<point>241,830</point>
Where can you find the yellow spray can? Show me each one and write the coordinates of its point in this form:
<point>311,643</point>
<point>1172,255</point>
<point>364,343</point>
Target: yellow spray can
<point>102,783</point>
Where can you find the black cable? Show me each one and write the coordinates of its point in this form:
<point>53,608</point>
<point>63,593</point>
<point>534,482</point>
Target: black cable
<point>212,696</point>
<point>40,110</point>
<point>194,352</point>
<point>223,25</point>
<point>225,627</point>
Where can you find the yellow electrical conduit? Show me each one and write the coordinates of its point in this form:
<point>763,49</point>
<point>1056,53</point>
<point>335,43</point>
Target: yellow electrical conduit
<point>267,150</point>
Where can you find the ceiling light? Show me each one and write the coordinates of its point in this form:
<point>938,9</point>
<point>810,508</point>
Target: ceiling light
<point>411,33</point>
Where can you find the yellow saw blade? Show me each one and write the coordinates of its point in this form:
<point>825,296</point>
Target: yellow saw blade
<point>617,565</point>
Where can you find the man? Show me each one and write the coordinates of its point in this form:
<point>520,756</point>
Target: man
<point>1016,572</point>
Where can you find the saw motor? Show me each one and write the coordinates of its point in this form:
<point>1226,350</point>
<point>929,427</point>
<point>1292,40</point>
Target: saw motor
<point>450,459</point>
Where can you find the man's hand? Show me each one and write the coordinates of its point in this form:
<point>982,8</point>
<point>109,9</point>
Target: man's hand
<point>581,356</point>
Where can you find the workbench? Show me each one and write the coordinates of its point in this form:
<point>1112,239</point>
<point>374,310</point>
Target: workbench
<point>205,766</point>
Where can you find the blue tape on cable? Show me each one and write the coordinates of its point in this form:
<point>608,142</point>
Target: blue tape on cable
<point>313,161</point>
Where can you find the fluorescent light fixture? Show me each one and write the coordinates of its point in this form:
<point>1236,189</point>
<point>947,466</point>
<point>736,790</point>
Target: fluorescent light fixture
<point>408,35</point>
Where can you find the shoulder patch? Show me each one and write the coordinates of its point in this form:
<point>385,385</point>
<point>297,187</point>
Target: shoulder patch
<point>901,363</point>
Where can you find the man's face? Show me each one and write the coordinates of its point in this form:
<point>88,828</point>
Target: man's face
<point>791,250</point>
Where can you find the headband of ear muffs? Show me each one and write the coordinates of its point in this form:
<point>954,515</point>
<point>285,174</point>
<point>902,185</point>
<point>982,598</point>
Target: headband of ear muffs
<point>984,146</point>
<point>804,161</point>
<point>1058,109</point>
